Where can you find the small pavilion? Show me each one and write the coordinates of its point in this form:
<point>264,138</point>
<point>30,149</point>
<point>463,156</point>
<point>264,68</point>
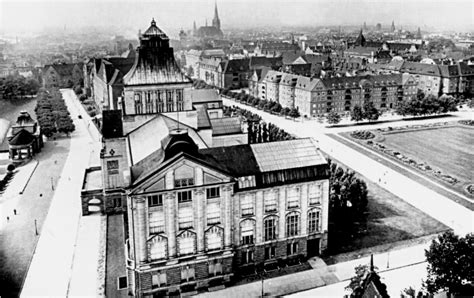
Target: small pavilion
<point>24,138</point>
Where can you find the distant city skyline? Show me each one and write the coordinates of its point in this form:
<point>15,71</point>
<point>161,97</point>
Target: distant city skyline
<point>35,15</point>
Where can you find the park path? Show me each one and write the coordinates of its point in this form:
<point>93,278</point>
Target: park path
<point>56,246</point>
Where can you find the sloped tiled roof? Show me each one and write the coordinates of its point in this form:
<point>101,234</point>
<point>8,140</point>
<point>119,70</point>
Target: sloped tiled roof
<point>421,68</point>
<point>202,117</point>
<point>204,95</point>
<point>226,126</point>
<point>448,71</point>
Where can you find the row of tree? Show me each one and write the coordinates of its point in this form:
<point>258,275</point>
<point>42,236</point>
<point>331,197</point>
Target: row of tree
<point>12,87</point>
<point>52,113</point>
<point>427,105</point>
<point>263,104</point>
<point>258,130</point>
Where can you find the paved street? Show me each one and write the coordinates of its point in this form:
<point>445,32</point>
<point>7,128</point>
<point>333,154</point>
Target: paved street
<point>56,246</point>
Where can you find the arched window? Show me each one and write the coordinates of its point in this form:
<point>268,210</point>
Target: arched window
<point>292,224</point>
<point>186,243</point>
<point>270,228</point>
<point>157,248</point>
<point>314,221</point>
<point>214,238</point>
<point>247,232</point>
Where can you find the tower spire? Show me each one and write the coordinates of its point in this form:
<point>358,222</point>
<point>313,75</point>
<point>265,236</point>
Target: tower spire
<point>216,22</point>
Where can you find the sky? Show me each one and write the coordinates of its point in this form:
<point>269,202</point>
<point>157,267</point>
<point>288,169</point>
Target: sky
<point>34,15</point>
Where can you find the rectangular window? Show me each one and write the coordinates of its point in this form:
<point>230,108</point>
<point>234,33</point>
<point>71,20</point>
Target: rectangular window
<point>247,256</point>
<point>247,205</point>
<point>185,196</point>
<point>213,213</point>
<point>187,274</point>
<point>156,221</point>
<point>247,234</point>
<point>116,202</point>
<point>183,182</point>
<point>269,252</point>
<point>292,248</point>
<point>185,217</point>
<point>213,192</point>
<point>179,100</point>
<point>169,101</point>
<point>292,223</point>
<point>122,283</point>
<point>293,199</point>
<point>314,194</point>
<point>155,200</point>
<point>313,221</point>
<point>112,167</point>
<point>270,229</point>
<point>215,268</point>
<point>158,279</point>
<point>270,201</point>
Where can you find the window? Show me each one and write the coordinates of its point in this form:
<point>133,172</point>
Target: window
<point>246,205</point>
<point>247,181</point>
<point>148,105</point>
<point>112,167</point>
<point>185,196</point>
<point>185,217</point>
<point>292,248</point>
<point>157,248</point>
<point>314,194</point>
<point>122,283</point>
<point>269,252</point>
<point>247,256</point>
<point>160,103</point>
<point>156,221</point>
<point>116,202</point>
<point>158,279</point>
<point>187,274</point>
<point>314,221</point>
<point>155,200</point>
<point>214,238</point>
<point>269,225</point>
<point>215,268</point>
<point>213,192</point>
<point>247,231</point>
<point>186,243</point>
<point>138,104</point>
<point>184,182</point>
<point>213,213</point>
<point>179,100</point>
<point>292,224</point>
<point>270,201</point>
<point>169,101</point>
<point>292,199</point>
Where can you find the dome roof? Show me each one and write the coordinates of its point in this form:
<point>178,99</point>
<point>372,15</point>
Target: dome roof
<point>178,141</point>
<point>153,30</point>
<point>21,138</point>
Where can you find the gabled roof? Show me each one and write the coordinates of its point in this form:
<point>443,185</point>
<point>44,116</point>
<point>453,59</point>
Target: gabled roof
<point>21,138</point>
<point>237,65</point>
<point>260,62</point>
<point>421,68</point>
<point>448,71</point>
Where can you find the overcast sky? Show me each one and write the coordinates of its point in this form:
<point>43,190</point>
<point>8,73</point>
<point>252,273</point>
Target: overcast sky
<point>175,14</point>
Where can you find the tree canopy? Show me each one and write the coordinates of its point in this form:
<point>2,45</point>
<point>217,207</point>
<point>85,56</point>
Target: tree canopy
<point>333,117</point>
<point>427,105</point>
<point>450,268</point>
<point>18,86</point>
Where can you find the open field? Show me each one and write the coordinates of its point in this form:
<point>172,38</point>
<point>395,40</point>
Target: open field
<point>389,220</point>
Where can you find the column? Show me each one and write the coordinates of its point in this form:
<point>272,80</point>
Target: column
<point>259,216</point>
<point>199,203</point>
<point>281,212</point>
<point>170,208</point>
<point>226,205</point>
<point>304,208</point>
<point>140,229</point>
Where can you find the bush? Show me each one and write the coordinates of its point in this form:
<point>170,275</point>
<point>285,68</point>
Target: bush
<point>82,97</point>
<point>362,134</point>
<point>11,167</point>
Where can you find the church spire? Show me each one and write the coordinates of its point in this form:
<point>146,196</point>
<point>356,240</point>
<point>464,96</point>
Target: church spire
<point>216,22</point>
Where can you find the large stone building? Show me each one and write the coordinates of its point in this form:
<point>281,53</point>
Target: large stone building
<point>197,216</point>
<point>62,75</point>
<point>210,32</point>
<point>313,96</point>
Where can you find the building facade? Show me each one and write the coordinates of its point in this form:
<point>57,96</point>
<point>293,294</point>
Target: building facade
<point>199,218</point>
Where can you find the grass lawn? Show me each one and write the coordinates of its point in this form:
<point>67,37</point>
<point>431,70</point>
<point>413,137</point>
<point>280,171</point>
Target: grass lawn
<point>446,148</point>
<point>389,220</point>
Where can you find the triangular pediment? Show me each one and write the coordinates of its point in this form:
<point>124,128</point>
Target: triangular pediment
<point>182,168</point>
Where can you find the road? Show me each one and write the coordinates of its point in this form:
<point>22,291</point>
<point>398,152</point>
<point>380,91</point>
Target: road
<point>457,217</point>
<point>55,249</point>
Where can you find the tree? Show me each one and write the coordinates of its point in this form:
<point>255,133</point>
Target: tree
<point>361,272</point>
<point>294,113</point>
<point>357,114</point>
<point>333,117</point>
<point>450,260</point>
<point>369,111</point>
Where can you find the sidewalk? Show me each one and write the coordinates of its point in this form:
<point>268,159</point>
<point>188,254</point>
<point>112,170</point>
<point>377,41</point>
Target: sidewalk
<point>55,249</point>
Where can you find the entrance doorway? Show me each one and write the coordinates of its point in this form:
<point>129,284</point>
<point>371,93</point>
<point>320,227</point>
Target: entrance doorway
<point>313,247</point>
